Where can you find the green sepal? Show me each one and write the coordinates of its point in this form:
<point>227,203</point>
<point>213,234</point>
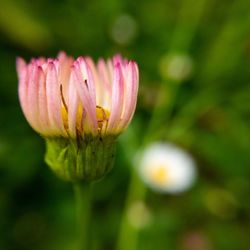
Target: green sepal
<point>88,159</point>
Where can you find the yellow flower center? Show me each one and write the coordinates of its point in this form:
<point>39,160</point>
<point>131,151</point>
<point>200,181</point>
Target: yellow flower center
<point>102,116</point>
<point>159,175</point>
<point>65,117</point>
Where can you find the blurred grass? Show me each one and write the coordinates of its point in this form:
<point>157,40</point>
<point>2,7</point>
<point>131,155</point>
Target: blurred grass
<point>209,115</point>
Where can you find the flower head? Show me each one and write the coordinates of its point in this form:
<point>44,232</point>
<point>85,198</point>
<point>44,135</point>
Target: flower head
<point>80,108</point>
<point>67,97</point>
<point>166,168</point>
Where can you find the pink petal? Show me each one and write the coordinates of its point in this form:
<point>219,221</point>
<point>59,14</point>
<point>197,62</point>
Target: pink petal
<point>117,98</point>
<point>42,102</point>
<point>54,99</point>
<point>99,89</point>
<point>32,98</point>
<point>132,82</point>
<point>88,78</point>
<point>84,95</point>
<point>105,76</point>
<point>110,67</point>
<point>117,59</point>
<point>20,66</point>
<point>23,86</point>
<point>73,105</point>
<point>64,70</point>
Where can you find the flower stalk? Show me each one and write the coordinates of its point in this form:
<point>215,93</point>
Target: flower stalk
<point>83,214</point>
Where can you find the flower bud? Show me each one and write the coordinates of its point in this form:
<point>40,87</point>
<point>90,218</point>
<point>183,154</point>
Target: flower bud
<point>80,108</point>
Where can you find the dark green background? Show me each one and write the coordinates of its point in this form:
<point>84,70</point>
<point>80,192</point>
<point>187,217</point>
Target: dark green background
<point>208,114</point>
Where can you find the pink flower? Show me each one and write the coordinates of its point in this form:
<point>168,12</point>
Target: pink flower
<point>70,98</point>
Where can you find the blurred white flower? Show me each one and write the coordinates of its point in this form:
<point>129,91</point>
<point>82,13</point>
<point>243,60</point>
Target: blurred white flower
<point>177,67</point>
<point>166,168</point>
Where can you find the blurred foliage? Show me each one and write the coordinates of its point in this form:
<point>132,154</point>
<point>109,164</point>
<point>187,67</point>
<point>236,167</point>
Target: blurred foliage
<point>206,111</point>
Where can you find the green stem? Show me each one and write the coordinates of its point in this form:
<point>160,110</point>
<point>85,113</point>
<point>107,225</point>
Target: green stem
<point>83,214</point>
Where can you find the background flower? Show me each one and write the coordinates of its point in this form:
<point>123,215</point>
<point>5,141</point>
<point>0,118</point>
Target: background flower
<point>166,168</point>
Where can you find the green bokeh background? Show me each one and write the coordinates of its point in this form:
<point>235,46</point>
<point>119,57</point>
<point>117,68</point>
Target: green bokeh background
<point>207,113</point>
